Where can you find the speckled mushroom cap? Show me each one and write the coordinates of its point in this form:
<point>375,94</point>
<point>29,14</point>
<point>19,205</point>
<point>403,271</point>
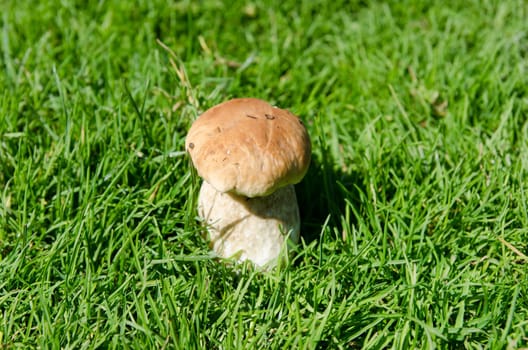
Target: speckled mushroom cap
<point>248,147</point>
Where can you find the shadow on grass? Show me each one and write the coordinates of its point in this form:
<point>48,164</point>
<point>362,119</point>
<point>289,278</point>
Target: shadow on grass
<point>322,197</point>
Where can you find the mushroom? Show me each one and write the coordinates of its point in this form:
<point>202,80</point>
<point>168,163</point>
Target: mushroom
<point>249,154</point>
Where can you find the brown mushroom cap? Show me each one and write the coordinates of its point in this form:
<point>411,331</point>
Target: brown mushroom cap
<point>248,147</point>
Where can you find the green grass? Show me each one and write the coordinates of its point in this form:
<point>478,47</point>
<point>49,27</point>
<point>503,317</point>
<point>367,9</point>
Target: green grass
<point>415,219</point>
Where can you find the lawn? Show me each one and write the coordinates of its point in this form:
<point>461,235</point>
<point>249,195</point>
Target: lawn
<point>414,210</point>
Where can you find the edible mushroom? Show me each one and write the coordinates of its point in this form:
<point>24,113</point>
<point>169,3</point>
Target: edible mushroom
<point>249,154</point>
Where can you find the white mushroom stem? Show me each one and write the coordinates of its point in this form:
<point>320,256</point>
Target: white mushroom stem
<point>250,228</point>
